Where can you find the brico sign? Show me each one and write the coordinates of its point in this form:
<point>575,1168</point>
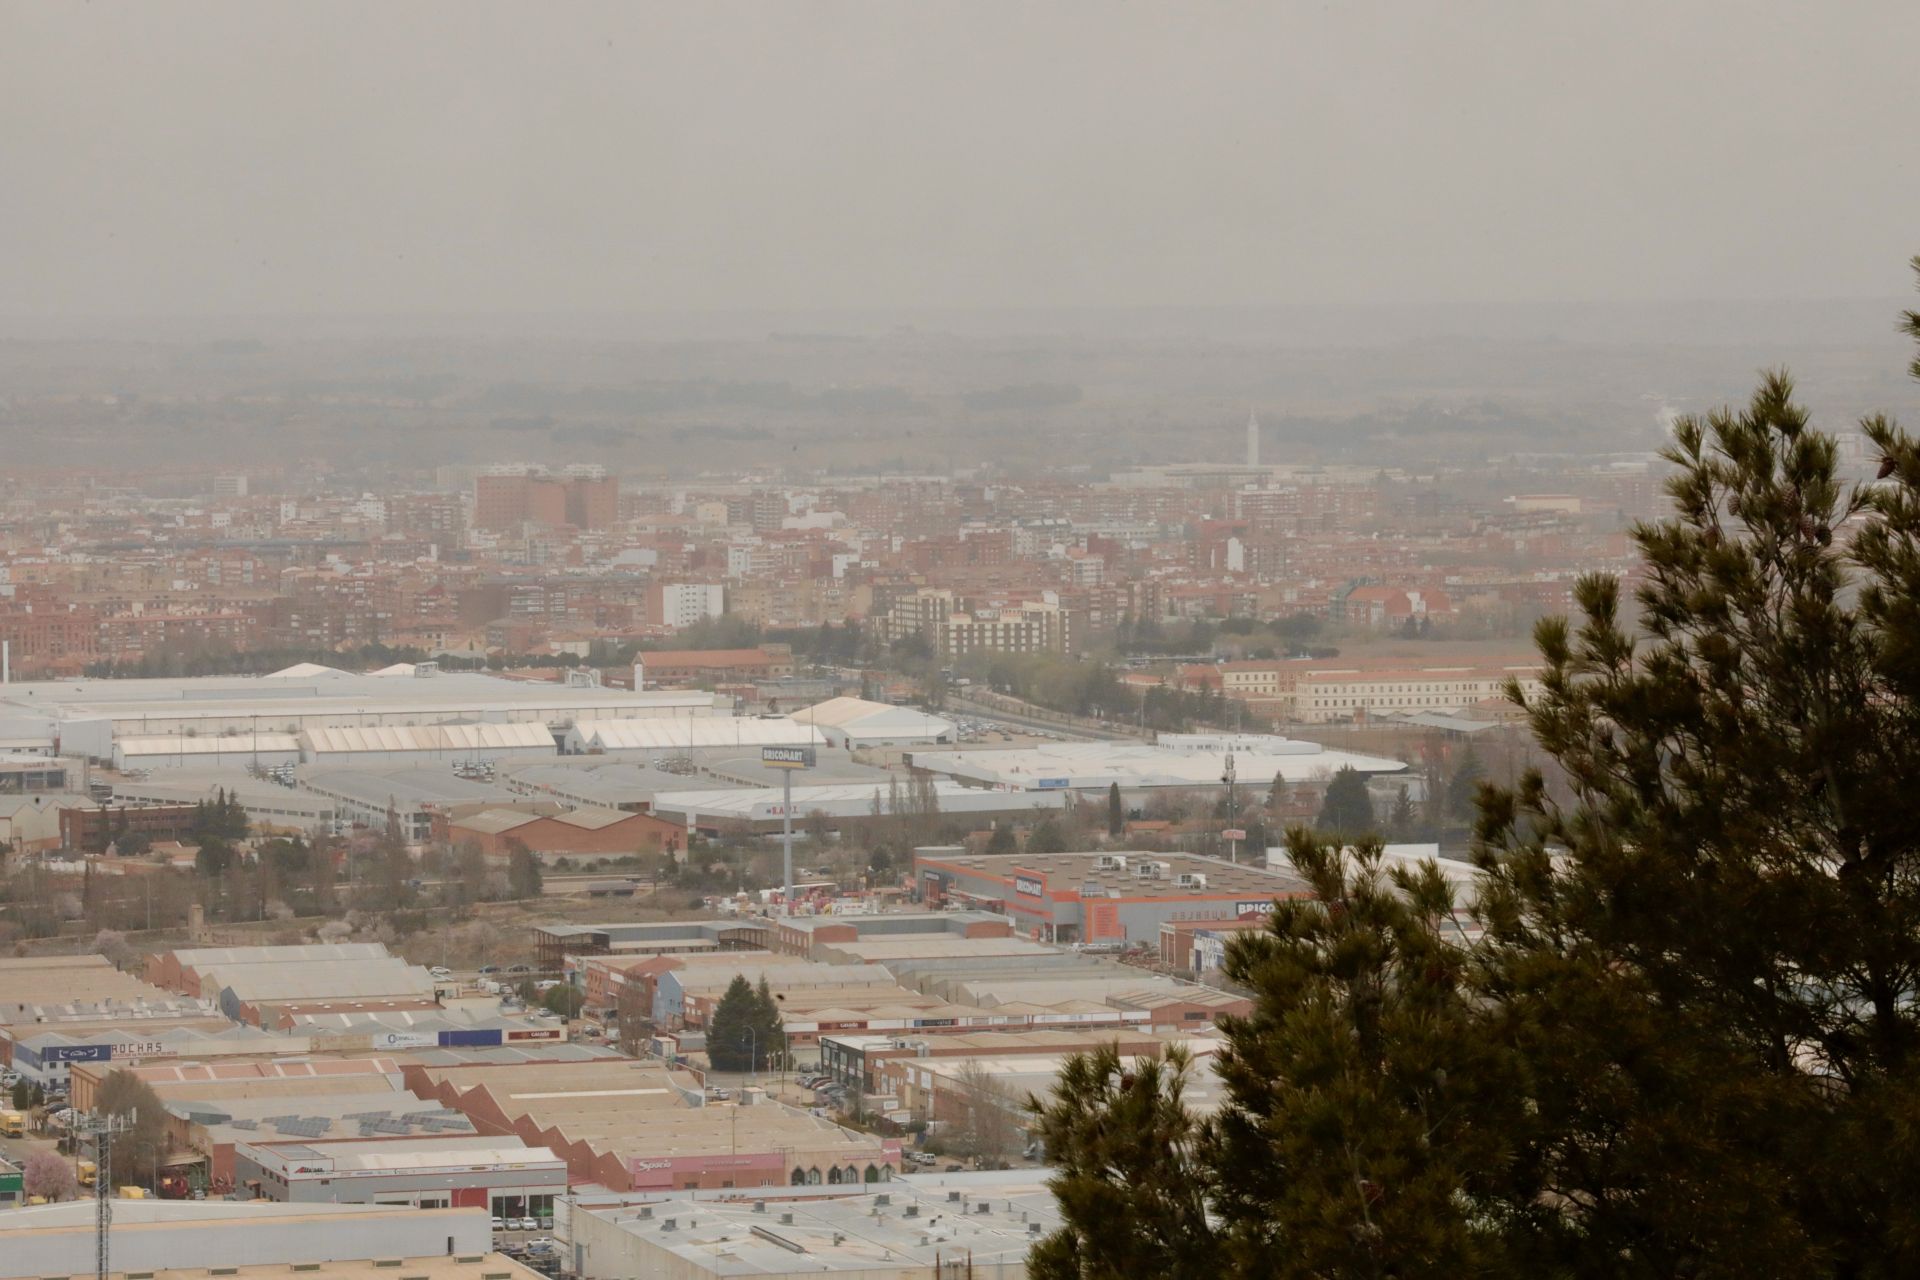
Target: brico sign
<point>787,757</point>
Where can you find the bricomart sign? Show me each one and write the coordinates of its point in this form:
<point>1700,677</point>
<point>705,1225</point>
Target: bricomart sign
<point>1032,886</point>
<point>787,757</point>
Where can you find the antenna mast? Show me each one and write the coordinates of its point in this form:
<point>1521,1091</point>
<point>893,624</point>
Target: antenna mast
<point>101,1126</point>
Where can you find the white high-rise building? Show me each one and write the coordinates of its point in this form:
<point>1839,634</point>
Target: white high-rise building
<point>684,603</point>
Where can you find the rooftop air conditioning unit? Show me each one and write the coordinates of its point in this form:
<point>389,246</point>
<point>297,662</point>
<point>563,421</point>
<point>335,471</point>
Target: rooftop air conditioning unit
<point>1110,862</point>
<point>1191,880</point>
<point>1149,870</point>
<point>423,670</point>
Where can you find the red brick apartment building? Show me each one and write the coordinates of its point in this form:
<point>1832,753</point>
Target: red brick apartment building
<point>585,502</point>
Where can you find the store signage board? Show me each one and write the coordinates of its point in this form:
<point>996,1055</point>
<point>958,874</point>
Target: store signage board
<point>787,757</point>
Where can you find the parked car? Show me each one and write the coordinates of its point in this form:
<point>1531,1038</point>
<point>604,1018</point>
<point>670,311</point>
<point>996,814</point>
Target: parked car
<point>521,968</point>
<point>499,1224</point>
<point>489,968</point>
<point>526,1224</point>
<point>441,972</point>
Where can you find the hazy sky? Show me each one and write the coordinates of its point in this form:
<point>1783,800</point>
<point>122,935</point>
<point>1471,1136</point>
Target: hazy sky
<point>469,157</point>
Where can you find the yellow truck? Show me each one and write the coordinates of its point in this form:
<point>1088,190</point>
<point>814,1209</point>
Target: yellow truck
<point>133,1193</point>
<point>13,1124</point>
<point>87,1173</point>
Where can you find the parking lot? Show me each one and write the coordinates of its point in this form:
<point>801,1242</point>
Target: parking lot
<point>528,1241</point>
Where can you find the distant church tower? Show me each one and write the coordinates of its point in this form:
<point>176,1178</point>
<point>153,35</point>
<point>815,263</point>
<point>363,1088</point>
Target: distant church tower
<point>1253,440</point>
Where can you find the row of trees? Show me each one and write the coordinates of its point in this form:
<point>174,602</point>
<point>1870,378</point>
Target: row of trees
<point>1687,1042</point>
<point>1347,805</point>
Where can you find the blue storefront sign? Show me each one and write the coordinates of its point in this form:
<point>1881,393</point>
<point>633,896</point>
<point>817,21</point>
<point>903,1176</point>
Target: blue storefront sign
<point>76,1053</point>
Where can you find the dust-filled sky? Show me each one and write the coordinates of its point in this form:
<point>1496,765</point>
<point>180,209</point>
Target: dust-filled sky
<point>414,158</point>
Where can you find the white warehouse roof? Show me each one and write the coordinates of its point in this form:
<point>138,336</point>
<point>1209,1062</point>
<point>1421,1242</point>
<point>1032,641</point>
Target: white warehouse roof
<point>842,800</point>
<point>1076,766</point>
<point>663,734</point>
<point>860,719</point>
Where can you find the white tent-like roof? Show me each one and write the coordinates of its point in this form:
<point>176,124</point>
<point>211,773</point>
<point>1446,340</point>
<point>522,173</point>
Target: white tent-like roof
<point>694,733</point>
<point>457,738</point>
<point>861,720</point>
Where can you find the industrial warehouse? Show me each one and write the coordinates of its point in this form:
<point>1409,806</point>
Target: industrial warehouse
<point>90,717</point>
<point>1192,761</point>
<point>1117,898</point>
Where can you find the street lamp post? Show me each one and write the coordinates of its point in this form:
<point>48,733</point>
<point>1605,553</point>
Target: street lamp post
<point>1233,810</point>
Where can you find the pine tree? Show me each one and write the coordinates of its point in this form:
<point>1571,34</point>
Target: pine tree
<point>1002,840</point>
<point>1346,807</point>
<point>1116,814</point>
<point>1366,1113</point>
<point>1730,905</point>
<point>1403,824</point>
<point>770,1039</point>
<point>731,1030</point>
<point>1132,1188</point>
<point>1688,1043</point>
<point>1464,786</point>
<point>523,871</point>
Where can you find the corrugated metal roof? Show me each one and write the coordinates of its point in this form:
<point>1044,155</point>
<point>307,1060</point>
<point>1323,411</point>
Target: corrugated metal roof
<point>592,819</point>
<point>494,821</point>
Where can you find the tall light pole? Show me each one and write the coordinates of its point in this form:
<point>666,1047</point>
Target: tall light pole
<point>1233,810</point>
<point>787,760</point>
